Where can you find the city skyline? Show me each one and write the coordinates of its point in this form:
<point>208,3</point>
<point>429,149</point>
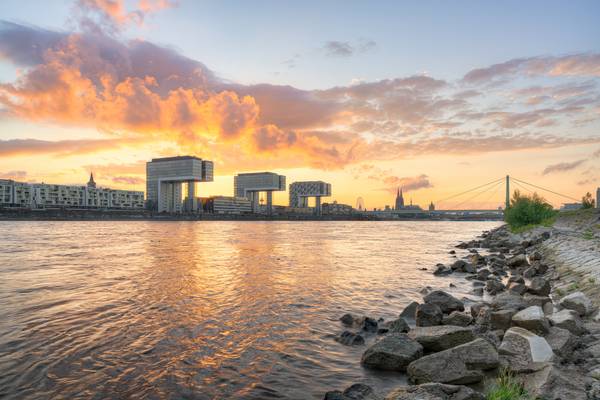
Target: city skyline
<point>415,97</point>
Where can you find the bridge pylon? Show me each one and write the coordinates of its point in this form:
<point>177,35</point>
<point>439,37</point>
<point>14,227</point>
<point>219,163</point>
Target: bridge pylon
<point>507,204</point>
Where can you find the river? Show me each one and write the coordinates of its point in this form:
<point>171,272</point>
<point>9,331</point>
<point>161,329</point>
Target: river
<point>205,310</point>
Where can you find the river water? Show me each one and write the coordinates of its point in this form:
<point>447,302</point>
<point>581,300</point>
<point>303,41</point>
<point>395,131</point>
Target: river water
<point>204,310</point>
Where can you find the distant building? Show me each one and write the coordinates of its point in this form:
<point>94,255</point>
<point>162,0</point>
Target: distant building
<point>399,200</point>
<point>42,195</point>
<point>227,205</point>
<point>336,208</point>
<point>249,185</point>
<point>571,206</point>
<point>164,179</point>
<point>301,191</point>
<point>431,206</point>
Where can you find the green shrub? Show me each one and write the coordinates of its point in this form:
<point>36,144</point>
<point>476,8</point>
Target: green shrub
<point>588,201</point>
<point>528,211</point>
<point>507,387</point>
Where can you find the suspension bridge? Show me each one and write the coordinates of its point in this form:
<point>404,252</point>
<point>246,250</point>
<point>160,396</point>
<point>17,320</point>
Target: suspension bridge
<point>493,197</point>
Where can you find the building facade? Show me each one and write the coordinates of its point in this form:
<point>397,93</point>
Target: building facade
<point>301,191</point>
<point>227,205</point>
<point>249,185</point>
<point>164,180</point>
<point>336,208</point>
<point>399,200</point>
<point>42,195</point>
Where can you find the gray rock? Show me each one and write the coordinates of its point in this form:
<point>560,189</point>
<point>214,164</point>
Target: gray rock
<point>561,341</point>
<point>351,320</point>
<point>508,301</point>
<point>457,318</point>
<point>410,311</point>
<point>446,302</point>
<point>478,291</point>
<point>529,272</point>
<point>476,308</point>
<point>441,269</point>
<point>358,391</point>
<point>518,288</point>
<point>501,319</point>
<point>428,315</point>
<point>397,326</point>
<point>459,365</point>
<point>394,352</point>
<point>517,261</point>
<point>348,338</point>
<point>569,320</point>
<point>539,286</point>
<point>524,351</point>
<point>534,300</point>
<point>556,383</point>
<point>577,302</point>
<point>434,391</point>
<point>369,325</point>
<point>493,286</point>
<point>443,337</point>
<point>459,265</point>
<point>533,319</point>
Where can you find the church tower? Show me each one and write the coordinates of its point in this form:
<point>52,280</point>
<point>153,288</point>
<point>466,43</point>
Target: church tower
<point>91,183</point>
<point>399,200</point>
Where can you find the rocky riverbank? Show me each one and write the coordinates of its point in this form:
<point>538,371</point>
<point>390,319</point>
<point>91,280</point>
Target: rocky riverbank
<point>532,312</point>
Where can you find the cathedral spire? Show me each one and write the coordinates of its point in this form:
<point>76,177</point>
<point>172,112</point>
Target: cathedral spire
<point>91,182</point>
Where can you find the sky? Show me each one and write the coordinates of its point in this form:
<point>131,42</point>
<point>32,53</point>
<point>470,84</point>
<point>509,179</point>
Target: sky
<point>435,97</point>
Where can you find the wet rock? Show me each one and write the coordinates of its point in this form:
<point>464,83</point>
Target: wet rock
<point>446,302</point>
<point>397,326</point>
<point>578,302</point>
<point>535,256</point>
<point>493,286</point>
<point>459,365</point>
<point>483,274</point>
<point>351,320</point>
<point>539,286</point>
<point>348,338</point>
<point>508,301</point>
<point>516,279</point>
<point>369,325</point>
<point>452,252</point>
<point>476,308</point>
<point>358,391</point>
<point>524,351</point>
<point>457,318</point>
<point>443,337</point>
<point>529,272</point>
<point>478,291</point>
<point>394,353</point>
<point>556,383</point>
<point>533,319</point>
<point>561,341</point>
<point>428,315</point>
<point>569,320</point>
<point>517,288</point>
<point>434,391</point>
<point>410,311</point>
<point>441,269</point>
<point>501,319</point>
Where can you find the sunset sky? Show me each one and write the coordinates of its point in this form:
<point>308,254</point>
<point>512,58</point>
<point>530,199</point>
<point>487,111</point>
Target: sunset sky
<point>433,96</point>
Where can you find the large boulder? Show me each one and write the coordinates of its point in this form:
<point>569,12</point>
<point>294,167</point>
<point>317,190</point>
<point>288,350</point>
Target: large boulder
<point>569,320</point>
<point>428,315</point>
<point>393,353</point>
<point>556,383</point>
<point>539,286</point>
<point>358,391</point>
<point>561,341</point>
<point>446,302</point>
<point>459,365</point>
<point>533,319</point>
<point>434,391</point>
<point>524,351</point>
<point>441,269</point>
<point>577,302</point>
<point>493,286</point>
<point>457,318</point>
<point>508,301</point>
<point>501,320</point>
<point>438,338</point>
<point>520,260</point>
<point>410,311</point>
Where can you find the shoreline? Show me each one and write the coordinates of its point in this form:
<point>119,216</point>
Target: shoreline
<point>535,315</point>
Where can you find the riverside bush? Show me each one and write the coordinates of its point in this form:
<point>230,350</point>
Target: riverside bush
<point>507,387</point>
<point>528,211</point>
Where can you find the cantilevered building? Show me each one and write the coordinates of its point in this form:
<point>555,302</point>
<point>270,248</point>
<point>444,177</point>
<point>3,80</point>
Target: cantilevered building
<point>250,185</point>
<point>164,179</point>
<point>301,191</point>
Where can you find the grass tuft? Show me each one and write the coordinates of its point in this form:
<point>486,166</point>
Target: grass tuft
<point>507,387</point>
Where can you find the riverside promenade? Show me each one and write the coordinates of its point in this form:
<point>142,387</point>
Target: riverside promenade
<point>532,315</point>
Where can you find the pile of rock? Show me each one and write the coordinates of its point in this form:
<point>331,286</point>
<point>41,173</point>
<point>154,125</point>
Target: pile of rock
<point>553,346</point>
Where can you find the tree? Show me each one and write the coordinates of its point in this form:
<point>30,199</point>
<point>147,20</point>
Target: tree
<point>528,210</point>
<point>587,201</point>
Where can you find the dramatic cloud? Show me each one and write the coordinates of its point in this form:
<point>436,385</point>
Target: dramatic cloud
<point>571,65</point>
<point>562,167</point>
<point>14,175</point>
<point>137,92</point>
<point>407,184</point>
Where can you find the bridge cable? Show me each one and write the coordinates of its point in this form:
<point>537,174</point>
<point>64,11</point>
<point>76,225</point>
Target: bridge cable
<point>547,190</point>
<point>478,194</point>
<point>498,187</point>
<point>468,191</point>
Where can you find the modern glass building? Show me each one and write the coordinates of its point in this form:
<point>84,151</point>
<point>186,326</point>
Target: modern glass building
<point>249,185</point>
<point>301,191</point>
<point>164,179</point>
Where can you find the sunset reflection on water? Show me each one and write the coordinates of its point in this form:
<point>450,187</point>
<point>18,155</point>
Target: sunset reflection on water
<point>203,310</point>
